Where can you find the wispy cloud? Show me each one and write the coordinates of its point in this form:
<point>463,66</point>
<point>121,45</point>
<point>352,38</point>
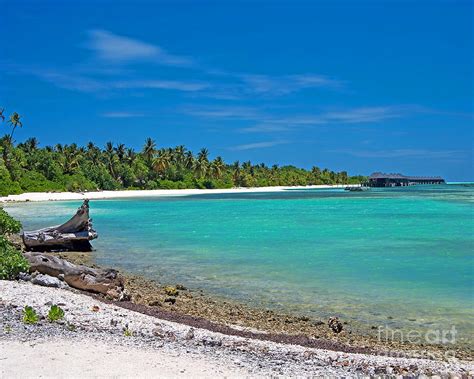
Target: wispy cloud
<point>189,86</point>
<point>258,145</point>
<point>266,128</point>
<point>77,82</point>
<point>121,114</point>
<point>70,82</point>
<point>368,114</point>
<point>115,48</point>
<point>283,85</point>
<point>403,153</point>
<point>110,69</point>
<point>228,112</point>
<point>267,122</point>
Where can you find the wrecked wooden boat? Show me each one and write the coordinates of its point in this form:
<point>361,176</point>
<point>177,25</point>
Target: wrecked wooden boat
<point>74,235</point>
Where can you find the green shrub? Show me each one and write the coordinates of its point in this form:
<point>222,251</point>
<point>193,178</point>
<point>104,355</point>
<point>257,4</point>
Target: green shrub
<point>127,332</point>
<point>29,315</point>
<point>7,185</point>
<point>78,182</point>
<point>55,313</point>
<point>168,184</point>
<point>8,224</point>
<point>32,181</point>
<point>12,261</point>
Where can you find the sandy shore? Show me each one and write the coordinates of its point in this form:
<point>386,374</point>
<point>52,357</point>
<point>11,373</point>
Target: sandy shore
<point>90,342</point>
<point>51,196</point>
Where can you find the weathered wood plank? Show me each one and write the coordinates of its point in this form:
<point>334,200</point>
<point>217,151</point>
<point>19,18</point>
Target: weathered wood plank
<point>74,234</point>
<point>105,281</point>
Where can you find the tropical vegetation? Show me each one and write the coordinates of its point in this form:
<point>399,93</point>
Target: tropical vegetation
<point>12,261</point>
<point>26,167</point>
<point>29,315</point>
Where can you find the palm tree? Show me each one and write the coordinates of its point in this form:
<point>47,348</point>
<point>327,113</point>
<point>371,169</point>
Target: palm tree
<point>179,154</point>
<point>189,160</point>
<point>14,121</point>
<point>162,162</point>
<point>59,148</point>
<point>91,146</point>
<point>217,166</point>
<point>236,173</point>
<point>69,159</point>
<point>31,144</point>
<point>110,158</point>
<point>247,166</point>
<point>200,168</point>
<point>120,150</point>
<point>203,155</point>
<point>1,114</point>
<point>149,150</point>
<point>130,156</point>
<point>201,164</point>
<point>316,171</point>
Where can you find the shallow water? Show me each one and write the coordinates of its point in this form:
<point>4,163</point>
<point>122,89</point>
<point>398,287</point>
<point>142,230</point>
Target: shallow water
<point>397,257</point>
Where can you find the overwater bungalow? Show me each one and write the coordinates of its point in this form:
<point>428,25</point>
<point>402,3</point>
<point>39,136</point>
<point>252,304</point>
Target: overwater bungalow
<point>380,179</point>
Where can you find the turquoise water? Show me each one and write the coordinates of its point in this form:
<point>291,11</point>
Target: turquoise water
<point>397,257</point>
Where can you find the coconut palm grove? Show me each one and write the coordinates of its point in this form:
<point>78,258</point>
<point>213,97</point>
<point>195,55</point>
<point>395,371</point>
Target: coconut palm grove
<point>27,167</point>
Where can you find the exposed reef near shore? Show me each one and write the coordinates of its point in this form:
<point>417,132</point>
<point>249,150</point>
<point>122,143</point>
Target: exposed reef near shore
<point>89,323</point>
<point>193,306</point>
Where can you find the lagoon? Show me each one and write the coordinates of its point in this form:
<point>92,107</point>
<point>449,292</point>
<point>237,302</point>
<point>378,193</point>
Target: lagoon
<point>399,257</point>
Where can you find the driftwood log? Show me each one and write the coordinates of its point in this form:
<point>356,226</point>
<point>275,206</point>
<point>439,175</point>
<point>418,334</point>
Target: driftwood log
<point>104,281</point>
<point>73,235</point>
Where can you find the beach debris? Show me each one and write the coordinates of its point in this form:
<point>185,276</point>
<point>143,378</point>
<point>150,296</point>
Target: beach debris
<point>335,325</point>
<point>154,303</point>
<point>170,300</point>
<point>104,281</point>
<point>158,332</point>
<point>95,308</point>
<point>171,291</point>
<point>74,235</point>
<point>47,281</point>
<point>190,334</point>
<point>211,342</point>
<point>24,276</point>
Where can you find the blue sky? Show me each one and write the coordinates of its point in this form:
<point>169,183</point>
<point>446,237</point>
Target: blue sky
<point>360,86</point>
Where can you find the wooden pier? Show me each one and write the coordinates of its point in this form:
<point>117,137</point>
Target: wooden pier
<point>380,179</point>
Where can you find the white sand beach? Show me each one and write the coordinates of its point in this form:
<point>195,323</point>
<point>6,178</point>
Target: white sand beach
<point>61,196</point>
<point>90,342</point>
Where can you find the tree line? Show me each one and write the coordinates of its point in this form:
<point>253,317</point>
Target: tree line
<point>27,167</point>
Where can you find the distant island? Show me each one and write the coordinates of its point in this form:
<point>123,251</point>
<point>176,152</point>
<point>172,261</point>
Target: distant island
<point>25,167</point>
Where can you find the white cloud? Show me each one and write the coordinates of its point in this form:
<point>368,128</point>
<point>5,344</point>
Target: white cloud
<point>77,82</point>
<point>368,114</point>
<point>267,122</point>
<point>402,153</point>
<point>283,85</point>
<point>121,114</point>
<point>241,113</point>
<point>258,145</point>
<point>114,48</point>
<point>266,128</point>
<point>161,84</point>
<point>71,82</point>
